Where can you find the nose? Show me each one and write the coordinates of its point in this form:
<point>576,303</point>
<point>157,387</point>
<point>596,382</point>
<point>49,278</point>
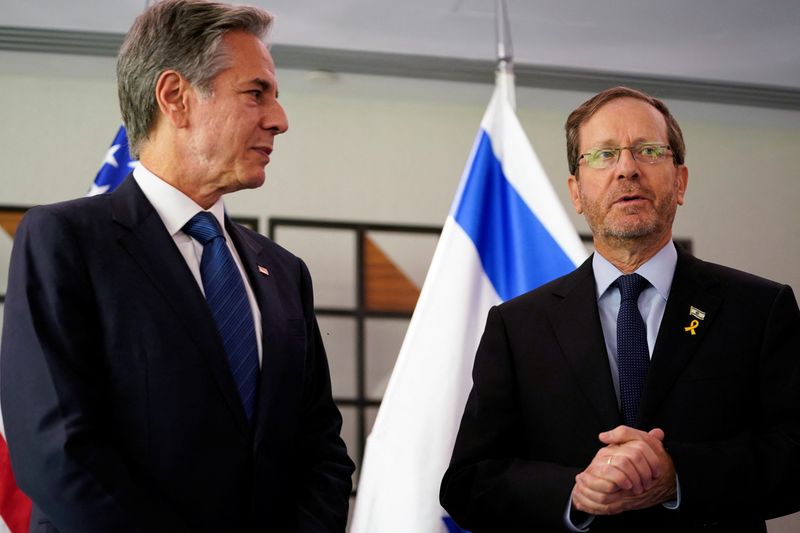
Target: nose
<point>627,167</point>
<point>275,119</point>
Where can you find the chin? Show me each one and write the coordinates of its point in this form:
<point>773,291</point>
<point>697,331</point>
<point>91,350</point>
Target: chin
<point>253,181</point>
<point>632,230</point>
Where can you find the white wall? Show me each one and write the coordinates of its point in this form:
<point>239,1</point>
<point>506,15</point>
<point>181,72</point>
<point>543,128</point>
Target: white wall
<point>392,150</point>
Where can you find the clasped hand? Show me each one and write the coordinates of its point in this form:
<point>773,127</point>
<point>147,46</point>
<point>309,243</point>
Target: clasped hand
<point>633,471</point>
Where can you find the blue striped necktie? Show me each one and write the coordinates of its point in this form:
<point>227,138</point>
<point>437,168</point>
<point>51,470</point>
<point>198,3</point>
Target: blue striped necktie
<point>227,298</point>
<point>633,355</point>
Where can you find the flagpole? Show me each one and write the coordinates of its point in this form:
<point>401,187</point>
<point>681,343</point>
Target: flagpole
<point>504,77</point>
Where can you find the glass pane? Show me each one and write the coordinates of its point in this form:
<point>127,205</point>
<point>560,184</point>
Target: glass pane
<point>331,257</point>
<point>384,336</point>
<point>395,265</point>
<point>410,252</point>
<point>339,337</point>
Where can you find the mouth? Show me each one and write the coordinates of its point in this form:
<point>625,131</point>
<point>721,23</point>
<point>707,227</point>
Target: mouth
<point>629,199</point>
<point>263,151</point>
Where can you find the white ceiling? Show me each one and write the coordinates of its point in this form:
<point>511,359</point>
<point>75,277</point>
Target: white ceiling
<point>731,41</point>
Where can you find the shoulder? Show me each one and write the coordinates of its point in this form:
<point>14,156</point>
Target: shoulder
<point>271,247</point>
<point>579,280</point>
<point>738,284</point>
<point>279,257</point>
<point>54,222</point>
<point>745,298</point>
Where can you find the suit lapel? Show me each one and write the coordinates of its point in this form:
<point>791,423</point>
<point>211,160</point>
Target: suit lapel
<point>676,345</point>
<point>577,325</point>
<point>264,275</point>
<point>146,239</point>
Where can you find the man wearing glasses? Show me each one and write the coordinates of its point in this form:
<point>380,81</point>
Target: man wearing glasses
<point>647,390</point>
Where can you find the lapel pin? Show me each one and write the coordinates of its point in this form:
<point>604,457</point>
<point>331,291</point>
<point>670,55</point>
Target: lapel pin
<point>697,313</point>
<point>692,326</point>
<point>263,270</point>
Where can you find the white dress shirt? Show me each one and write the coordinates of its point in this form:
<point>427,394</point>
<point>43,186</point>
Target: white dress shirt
<point>176,209</point>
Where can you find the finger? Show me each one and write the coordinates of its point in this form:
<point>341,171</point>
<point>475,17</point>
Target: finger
<point>640,461</point>
<point>617,470</point>
<point>621,435</point>
<point>585,487</point>
<point>643,457</point>
<point>657,433</point>
<point>597,484</point>
<point>650,445</point>
<point>585,500</point>
<point>619,464</point>
<point>652,450</point>
<point>582,503</point>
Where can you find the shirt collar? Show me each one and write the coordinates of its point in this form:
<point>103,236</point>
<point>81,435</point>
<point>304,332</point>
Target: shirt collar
<point>173,206</point>
<point>658,271</point>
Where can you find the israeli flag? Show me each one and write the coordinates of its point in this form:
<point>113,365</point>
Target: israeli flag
<point>506,234</point>
<point>117,164</point>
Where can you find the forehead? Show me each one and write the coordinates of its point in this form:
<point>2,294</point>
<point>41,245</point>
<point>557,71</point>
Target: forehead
<point>622,122</point>
<point>248,56</point>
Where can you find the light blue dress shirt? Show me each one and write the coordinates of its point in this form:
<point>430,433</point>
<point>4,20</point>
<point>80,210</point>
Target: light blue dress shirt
<point>658,271</point>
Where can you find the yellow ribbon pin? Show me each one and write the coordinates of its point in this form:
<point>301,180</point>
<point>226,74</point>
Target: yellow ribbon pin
<point>691,327</point>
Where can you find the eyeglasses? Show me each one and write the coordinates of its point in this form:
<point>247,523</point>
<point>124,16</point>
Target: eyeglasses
<point>607,157</point>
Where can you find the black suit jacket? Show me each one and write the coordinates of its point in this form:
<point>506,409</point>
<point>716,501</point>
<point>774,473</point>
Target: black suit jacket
<point>120,410</point>
<point>728,399</point>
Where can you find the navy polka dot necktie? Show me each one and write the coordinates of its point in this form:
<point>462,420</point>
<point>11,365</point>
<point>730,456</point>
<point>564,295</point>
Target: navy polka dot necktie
<point>633,356</point>
<point>227,298</point>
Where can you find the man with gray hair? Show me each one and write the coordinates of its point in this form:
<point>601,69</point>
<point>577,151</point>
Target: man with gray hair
<point>162,367</point>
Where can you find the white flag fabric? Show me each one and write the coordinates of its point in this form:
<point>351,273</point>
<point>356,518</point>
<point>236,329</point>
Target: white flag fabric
<point>506,234</point>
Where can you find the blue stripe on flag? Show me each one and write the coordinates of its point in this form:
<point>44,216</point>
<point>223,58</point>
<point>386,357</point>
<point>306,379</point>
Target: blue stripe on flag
<point>517,252</point>
<point>451,525</point>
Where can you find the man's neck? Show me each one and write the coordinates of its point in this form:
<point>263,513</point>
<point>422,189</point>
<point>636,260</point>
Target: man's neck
<point>629,254</point>
<point>164,166</point>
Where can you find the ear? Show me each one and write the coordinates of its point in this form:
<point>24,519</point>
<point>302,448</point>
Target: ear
<point>173,93</point>
<point>575,194</point>
<point>682,180</point>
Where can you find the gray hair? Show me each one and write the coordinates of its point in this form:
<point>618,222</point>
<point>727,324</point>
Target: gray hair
<point>180,35</point>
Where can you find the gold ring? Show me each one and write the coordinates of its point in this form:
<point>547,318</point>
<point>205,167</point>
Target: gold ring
<point>610,457</point>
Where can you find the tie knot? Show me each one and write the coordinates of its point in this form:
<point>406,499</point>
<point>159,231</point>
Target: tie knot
<point>630,286</point>
<point>203,227</point>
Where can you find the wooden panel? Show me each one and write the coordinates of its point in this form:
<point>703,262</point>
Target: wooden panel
<point>9,219</point>
<point>386,287</point>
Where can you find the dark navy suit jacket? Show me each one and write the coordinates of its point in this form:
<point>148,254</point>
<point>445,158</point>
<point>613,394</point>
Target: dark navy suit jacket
<point>727,397</point>
<point>119,407</point>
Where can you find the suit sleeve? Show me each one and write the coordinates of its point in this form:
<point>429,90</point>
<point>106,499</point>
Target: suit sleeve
<point>758,469</point>
<point>325,482</point>
<point>489,485</point>
<point>54,390</point>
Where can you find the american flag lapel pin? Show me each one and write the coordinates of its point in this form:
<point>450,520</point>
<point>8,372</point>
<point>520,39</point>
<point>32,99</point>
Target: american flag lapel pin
<point>263,270</point>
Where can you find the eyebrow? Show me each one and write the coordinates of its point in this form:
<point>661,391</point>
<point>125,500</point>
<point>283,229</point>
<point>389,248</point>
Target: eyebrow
<point>264,85</point>
<point>609,143</point>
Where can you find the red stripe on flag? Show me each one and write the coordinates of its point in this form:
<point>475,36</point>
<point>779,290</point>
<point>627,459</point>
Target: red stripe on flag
<point>15,507</point>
